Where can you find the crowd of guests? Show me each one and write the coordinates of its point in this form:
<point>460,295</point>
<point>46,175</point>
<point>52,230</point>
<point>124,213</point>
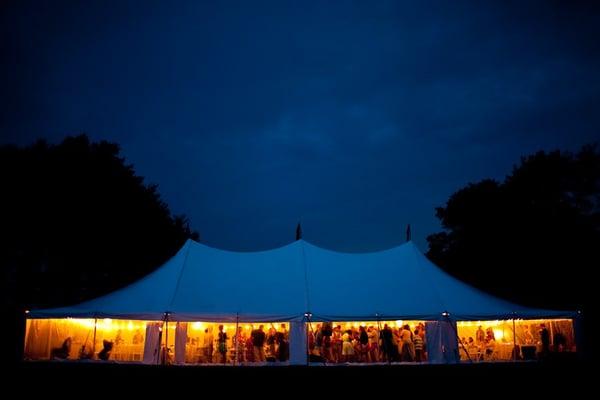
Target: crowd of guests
<point>483,346</point>
<point>259,345</point>
<point>342,343</point>
<point>367,344</point>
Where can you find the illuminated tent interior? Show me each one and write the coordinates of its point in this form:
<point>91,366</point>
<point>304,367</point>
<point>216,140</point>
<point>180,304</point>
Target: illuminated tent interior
<point>173,314</point>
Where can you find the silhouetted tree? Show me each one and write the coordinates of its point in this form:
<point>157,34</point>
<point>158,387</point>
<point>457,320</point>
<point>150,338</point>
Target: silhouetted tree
<point>534,238</point>
<point>77,222</point>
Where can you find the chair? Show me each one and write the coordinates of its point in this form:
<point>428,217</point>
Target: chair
<point>491,352</point>
<point>474,353</point>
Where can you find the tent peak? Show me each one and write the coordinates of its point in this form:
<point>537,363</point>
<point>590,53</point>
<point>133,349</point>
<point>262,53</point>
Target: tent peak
<point>302,242</point>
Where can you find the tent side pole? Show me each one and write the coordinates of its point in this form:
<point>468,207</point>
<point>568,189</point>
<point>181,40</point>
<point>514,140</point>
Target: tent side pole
<point>49,344</point>
<point>307,343</point>
<point>514,340</point>
<point>307,326</point>
<point>166,351</point>
<point>94,342</point>
<point>236,338</point>
<point>577,324</point>
<point>160,338</point>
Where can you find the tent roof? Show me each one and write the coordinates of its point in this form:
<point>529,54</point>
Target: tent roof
<point>204,283</point>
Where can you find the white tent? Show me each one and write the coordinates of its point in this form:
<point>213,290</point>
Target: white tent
<point>297,282</point>
<point>201,282</point>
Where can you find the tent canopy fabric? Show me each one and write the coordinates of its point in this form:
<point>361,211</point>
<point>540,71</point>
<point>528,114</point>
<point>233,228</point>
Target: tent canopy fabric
<point>286,283</point>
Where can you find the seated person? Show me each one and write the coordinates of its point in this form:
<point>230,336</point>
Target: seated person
<point>63,351</point>
<point>170,355</point>
<point>490,345</point>
<point>472,346</point>
<point>560,342</point>
<point>105,352</point>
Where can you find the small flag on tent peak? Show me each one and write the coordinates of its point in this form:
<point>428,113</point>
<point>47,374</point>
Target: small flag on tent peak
<point>298,232</point>
<point>408,233</point>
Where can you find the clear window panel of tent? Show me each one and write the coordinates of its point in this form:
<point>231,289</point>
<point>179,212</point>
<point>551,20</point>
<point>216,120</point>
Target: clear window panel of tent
<point>86,339</point>
<point>228,343</point>
<point>513,340</point>
<point>120,340</point>
<point>58,338</point>
<point>367,341</point>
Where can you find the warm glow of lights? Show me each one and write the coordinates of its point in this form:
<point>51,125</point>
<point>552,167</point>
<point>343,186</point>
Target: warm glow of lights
<point>130,326</point>
<point>106,324</point>
<point>197,326</point>
<point>399,323</point>
<point>498,334</point>
<point>247,327</point>
<point>88,323</point>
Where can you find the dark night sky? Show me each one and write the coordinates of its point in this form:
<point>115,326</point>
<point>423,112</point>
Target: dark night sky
<point>356,117</point>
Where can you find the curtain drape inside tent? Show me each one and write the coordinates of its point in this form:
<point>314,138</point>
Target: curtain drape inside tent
<point>180,342</point>
<point>152,344</point>
<point>441,341</point>
<point>297,342</point>
<point>37,345</point>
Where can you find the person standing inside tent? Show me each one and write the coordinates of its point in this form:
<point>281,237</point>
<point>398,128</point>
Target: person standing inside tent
<point>208,345</point>
<point>418,344</point>
<point>336,344</point>
<point>222,344</point>
<point>258,342</point>
<point>347,347</point>
<point>490,343</point>
<point>480,335</point>
<point>545,339</point>
<point>480,339</point>
<point>283,329</point>
<point>407,346</point>
<point>271,343</point>
<point>238,344</point>
<point>373,344</point>
<point>388,348</point>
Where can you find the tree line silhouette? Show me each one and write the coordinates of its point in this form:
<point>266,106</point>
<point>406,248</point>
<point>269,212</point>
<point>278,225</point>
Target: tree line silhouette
<point>77,222</point>
<point>533,238</point>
